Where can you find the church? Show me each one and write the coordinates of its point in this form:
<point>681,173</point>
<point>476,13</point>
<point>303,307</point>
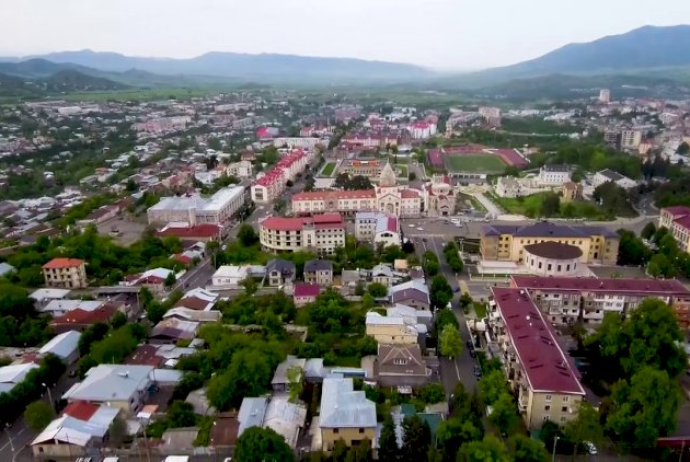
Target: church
<point>387,196</point>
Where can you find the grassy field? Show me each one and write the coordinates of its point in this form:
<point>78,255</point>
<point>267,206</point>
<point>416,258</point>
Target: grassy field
<point>328,169</point>
<point>530,206</point>
<point>475,163</point>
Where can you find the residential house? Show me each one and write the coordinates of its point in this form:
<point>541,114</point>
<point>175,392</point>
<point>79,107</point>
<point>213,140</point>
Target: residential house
<point>604,176</point>
<point>677,220</point>
<point>229,276</point>
<point>198,299</point>
<point>81,319</point>
<point>507,186</point>
<point>377,228</point>
<point>68,273</point>
<point>65,346</point>
<point>305,293</point>
<point>280,272</point>
<point>61,307</point>
<point>383,274</point>
<point>401,365</point>
<point>553,175</point>
<point>14,374</point>
<point>391,330</point>
<point>571,191</point>
<point>277,413</point>
<point>413,293</point>
<point>345,414</point>
<point>281,381</point>
<point>45,296</point>
<point>319,272</point>
<point>172,329</point>
<point>121,386</point>
<point>542,376</point>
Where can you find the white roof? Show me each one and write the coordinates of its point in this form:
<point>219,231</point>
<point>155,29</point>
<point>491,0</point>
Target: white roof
<point>167,376</point>
<point>49,294</point>
<point>156,272</point>
<point>192,315</point>
<point>69,305</point>
<point>111,382</point>
<point>13,374</point>
<point>413,284</point>
<point>341,406</point>
<point>285,418</point>
<point>251,413</point>
<point>231,271</point>
<point>62,345</point>
<point>374,318</point>
<point>202,294</point>
<point>71,430</point>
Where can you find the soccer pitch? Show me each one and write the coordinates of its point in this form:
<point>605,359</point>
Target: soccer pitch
<point>475,163</point>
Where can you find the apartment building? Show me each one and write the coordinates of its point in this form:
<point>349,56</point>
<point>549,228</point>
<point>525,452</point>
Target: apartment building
<point>546,383</point>
<point>67,273</point>
<point>677,221</point>
<point>196,210</point>
<point>631,139</point>
<point>320,234</point>
<point>273,183</point>
<point>507,243</point>
<point>564,300</point>
<point>377,228</point>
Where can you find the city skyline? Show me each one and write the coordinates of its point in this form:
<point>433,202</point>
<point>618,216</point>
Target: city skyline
<point>437,34</point>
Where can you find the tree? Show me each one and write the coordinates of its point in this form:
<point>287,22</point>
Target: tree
<point>367,301</point>
<point>412,176</point>
<point>170,280</point>
<point>440,292</point>
<point>648,231</point>
<point>258,444</point>
<point>388,443</point>
<point>249,374</point>
<point>181,414</point>
<point>490,449</point>
<point>584,427</point>
<point>493,386</point>
<point>503,415</point>
<point>431,394</point>
<point>250,285</point>
<point>450,342</point>
<point>525,449</point>
<point>631,249</point>
<point>644,408</point>
<point>155,312</point>
<point>294,376</point>
<point>550,205</point>
<point>377,290</point>
<point>416,439</point>
<point>117,431</point>
<point>38,415</point>
<point>683,149</point>
<point>247,236</point>
<point>453,433</point>
<point>444,317</point>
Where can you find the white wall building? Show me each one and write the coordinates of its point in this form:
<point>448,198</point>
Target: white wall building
<point>377,227</point>
<point>553,175</point>
<point>229,276</point>
<point>196,210</point>
<point>607,175</point>
<point>320,234</point>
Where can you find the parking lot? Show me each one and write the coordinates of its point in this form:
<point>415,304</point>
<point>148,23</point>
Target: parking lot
<point>128,230</point>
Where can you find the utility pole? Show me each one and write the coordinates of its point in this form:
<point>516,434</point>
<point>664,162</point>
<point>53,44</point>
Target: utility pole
<point>553,453</point>
<point>50,396</point>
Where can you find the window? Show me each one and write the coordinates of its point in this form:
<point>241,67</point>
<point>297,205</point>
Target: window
<point>564,409</point>
<point>547,408</point>
<point>545,418</point>
<point>547,398</point>
<point>549,267</point>
<point>336,431</point>
<point>563,419</point>
<point>566,399</point>
<point>361,430</point>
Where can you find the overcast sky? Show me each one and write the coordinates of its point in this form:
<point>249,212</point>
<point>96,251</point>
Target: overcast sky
<point>443,34</point>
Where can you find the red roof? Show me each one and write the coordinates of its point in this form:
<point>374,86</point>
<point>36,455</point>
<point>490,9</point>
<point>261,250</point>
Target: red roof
<point>307,290</point>
<point>145,355</point>
<point>262,132</point>
<point>677,210</point>
<point>182,258</point>
<point>683,221</point>
<point>392,225</point>
<point>82,317</point>
<point>58,263</point>
<point>631,286</point>
<point>334,195</point>
<point>81,410</point>
<point>325,220</point>
<point>546,367</point>
<point>204,231</point>
<point>408,194</point>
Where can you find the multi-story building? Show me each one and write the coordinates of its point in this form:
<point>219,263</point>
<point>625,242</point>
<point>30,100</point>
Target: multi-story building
<point>553,175</point>
<point>564,300</point>
<point>631,139</point>
<point>387,197</point>
<point>677,221</point>
<point>319,272</point>
<point>273,183</point>
<point>441,196</point>
<point>370,168</point>
<point>68,273</point>
<point>297,143</point>
<point>196,210</point>
<point>377,227</point>
<point>346,414</point>
<point>543,377</point>
<point>604,96</point>
<point>320,234</point>
<point>422,130</point>
<point>506,243</point>
<point>394,330</point>
<point>607,175</point>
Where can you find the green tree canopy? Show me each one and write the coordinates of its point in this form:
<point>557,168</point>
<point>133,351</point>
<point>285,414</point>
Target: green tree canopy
<point>377,290</point>
<point>504,415</point>
<point>450,342</point>
<point>388,444</point>
<point>493,386</point>
<point>258,444</point>
<point>38,415</point>
<point>181,414</point>
<point>440,292</point>
<point>585,426</point>
<point>490,449</point>
<point>416,439</point>
<point>247,236</point>
<point>525,449</point>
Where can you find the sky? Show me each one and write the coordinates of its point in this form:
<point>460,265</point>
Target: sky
<point>439,34</point>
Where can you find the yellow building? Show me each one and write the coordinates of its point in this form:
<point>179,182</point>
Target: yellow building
<point>390,330</point>
<point>68,273</point>
<point>535,366</point>
<point>506,243</point>
<point>345,414</point>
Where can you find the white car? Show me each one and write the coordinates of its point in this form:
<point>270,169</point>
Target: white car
<point>411,225</point>
<point>590,447</point>
<point>420,229</point>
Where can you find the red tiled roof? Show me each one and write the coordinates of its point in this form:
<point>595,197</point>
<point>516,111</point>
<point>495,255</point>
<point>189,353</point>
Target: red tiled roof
<point>57,263</point>
<point>334,195</point>
<point>307,290</point>
<point>639,286</point>
<point>683,222</point>
<point>677,210</point>
<point>81,317</point>
<point>408,194</point>
<point>326,220</point>
<point>182,258</point>
<point>81,410</point>
<point>145,355</point>
<point>207,231</point>
<point>392,225</point>
<point>546,367</point>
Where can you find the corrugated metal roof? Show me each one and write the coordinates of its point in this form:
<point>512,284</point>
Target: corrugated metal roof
<point>251,413</point>
<point>343,407</point>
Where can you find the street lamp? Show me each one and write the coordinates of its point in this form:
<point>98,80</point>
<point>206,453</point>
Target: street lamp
<point>9,437</point>
<point>553,453</point>
<point>50,397</point>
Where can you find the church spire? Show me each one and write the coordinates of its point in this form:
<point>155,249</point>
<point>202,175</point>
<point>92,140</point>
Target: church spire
<point>387,177</point>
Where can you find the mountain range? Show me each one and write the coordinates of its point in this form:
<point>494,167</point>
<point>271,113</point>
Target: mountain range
<point>660,53</point>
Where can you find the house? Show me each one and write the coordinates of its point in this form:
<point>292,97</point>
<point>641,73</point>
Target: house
<point>305,293</point>
<point>383,274</point>
<point>68,273</point>
<point>413,293</point>
<point>122,386</point>
<point>677,220</point>
<point>571,191</point>
<point>153,279</point>
<point>229,276</point>
<point>277,413</point>
<point>12,375</point>
<point>198,299</point>
<point>251,413</point>
<point>61,307</point>
<point>411,315</point>
<point>401,365</point>
<point>281,381</point>
<point>280,272</point>
<point>65,346</point>
<point>390,330</point>
<point>321,234</point>
<point>319,272</point>
<point>79,431</point>
<point>45,296</point>
<point>553,175</point>
<point>507,186</point>
<point>604,176</point>
<point>80,319</point>
<point>345,414</point>
<point>6,269</point>
<point>377,227</point>
<point>171,330</point>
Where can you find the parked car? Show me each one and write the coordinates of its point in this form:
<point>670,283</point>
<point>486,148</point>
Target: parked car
<point>473,354</point>
<point>591,449</point>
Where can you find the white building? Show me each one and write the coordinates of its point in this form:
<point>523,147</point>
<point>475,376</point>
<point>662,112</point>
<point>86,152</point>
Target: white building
<point>229,276</point>
<point>296,143</point>
<point>631,139</point>
<point>607,175</point>
<point>196,210</point>
<point>604,96</point>
<point>241,169</point>
<point>320,234</point>
<point>553,175</point>
<point>273,183</point>
<point>377,227</point>
<point>422,130</point>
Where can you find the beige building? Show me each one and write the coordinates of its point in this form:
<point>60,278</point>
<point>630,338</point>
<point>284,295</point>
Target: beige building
<point>677,221</point>
<point>68,273</point>
<point>441,196</point>
<point>346,414</point>
<point>536,367</point>
<point>390,330</point>
<point>196,210</point>
<point>320,234</point>
<point>507,243</point>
